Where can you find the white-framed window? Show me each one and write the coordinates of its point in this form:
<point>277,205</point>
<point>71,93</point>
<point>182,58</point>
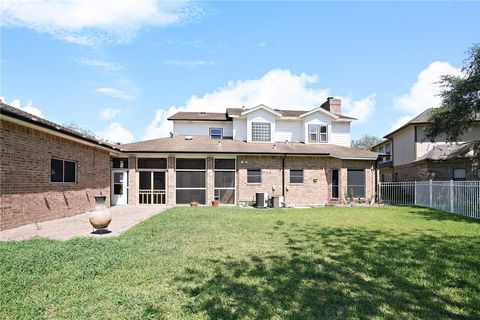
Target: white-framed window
<point>296,176</point>
<point>317,133</point>
<point>190,180</point>
<point>63,171</point>
<point>312,133</point>
<point>261,131</point>
<point>388,151</point>
<point>459,174</point>
<point>254,176</point>
<point>216,133</point>
<point>224,183</point>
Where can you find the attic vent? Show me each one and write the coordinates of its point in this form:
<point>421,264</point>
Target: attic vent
<point>203,113</point>
<point>188,138</point>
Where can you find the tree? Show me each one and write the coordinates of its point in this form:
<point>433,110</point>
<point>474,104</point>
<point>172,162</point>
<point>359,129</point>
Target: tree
<point>88,133</point>
<point>460,105</point>
<point>366,142</point>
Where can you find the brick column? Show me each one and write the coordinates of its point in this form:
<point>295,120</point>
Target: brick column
<point>342,183</point>
<point>171,196</point>
<point>210,183</point>
<point>132,181</point>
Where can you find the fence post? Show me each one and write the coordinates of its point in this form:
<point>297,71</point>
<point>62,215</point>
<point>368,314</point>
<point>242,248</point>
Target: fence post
<point>430,203</point>
<point>415,193</point>
<point>451,196</point>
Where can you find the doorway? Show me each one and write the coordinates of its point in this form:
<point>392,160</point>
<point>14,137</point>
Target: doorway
<point>152,187</point>
<point>119,187</point>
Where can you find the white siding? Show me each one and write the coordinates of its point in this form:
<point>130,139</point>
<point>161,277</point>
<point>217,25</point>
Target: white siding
<point>291,130</point>
<point>404,146</point>
<point>260,116</point>
<point>201,128</point>
<point>341,134</point>
<point>317,118</point>
<point>240,129</point>
<point>424,145</point>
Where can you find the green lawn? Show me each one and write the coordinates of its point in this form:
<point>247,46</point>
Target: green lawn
<point>228,263</point>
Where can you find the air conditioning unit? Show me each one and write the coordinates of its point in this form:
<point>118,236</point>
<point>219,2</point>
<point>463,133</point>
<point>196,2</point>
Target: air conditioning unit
<point>262,199</point>
<point>278,202</point>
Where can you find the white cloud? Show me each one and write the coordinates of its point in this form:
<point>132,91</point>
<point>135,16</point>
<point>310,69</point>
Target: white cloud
<point>100,64</point>
<point>425,92</point>
<point>95,22</point>
<point>277,89</point>
<point>109,113</point>
<point>191,64</point>
<point>28,108</point>
<point>116,133</point>
<point>115,93</point>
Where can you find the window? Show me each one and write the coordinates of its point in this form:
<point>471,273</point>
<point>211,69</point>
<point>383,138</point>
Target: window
<point>317,133</point>
<point>216,133</point>
<point>356,183</point>
<point>335,183</point>
<point>254,176</point>
<point>388,151</point>
<point>119,163</point>
<point>190,180</point>
<point>63,171</point>
<point>296,176</point>
<point>261,131</point>
<point>152,163</point>
<point>312,133</point>
<point>225,181</point>
<point>459,175</point>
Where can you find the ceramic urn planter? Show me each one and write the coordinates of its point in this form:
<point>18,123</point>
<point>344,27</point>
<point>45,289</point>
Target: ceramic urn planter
<point>215,203</point>
<point>100,218</point>
<point>194,204</point>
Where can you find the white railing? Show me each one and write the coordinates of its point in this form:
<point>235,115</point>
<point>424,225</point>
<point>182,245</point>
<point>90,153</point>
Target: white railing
<point>149,196</point>
<point>461,197</point>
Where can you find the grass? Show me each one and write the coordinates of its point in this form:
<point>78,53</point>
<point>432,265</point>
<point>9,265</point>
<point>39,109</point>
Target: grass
<point>229,263</point>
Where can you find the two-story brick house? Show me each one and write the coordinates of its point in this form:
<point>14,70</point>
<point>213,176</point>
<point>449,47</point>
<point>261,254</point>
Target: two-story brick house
<point>410,155</point>
<point>229,156</point>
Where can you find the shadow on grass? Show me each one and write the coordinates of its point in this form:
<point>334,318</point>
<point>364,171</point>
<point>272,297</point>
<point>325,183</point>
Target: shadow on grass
<point>432,214</point>
<point>343,273</point>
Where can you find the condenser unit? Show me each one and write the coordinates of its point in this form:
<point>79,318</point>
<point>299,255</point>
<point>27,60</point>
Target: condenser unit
<point>262,199</point>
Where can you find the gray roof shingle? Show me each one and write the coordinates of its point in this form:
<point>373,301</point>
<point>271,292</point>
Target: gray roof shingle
<point>203,144</point>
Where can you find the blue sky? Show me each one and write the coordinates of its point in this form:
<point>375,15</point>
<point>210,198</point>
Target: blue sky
<point>120,70</point>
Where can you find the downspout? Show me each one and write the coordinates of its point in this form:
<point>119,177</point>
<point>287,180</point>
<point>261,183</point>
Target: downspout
<point>283,176</point>
<point>376,181</point>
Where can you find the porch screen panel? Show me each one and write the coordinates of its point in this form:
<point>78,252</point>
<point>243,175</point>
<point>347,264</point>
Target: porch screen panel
<point>356,183</point>
<point>190,180</point>
<point>225,181</point>
<point>152,163</point>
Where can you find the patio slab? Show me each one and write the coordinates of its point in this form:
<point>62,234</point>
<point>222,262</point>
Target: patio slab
<point>123,218</point>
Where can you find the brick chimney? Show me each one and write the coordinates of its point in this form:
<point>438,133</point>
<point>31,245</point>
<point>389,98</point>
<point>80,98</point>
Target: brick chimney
<point>333,105</point>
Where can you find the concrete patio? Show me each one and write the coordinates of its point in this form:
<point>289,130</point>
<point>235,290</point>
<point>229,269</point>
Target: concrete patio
<point>123,218</point>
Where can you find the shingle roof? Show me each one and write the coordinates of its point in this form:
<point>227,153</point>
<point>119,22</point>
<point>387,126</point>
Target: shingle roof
<point>285,113</point>
<point>452,151</point>
<point>422,118</point>
<point>16,113</point>
<point>201,144</point>
<point>200,116</point>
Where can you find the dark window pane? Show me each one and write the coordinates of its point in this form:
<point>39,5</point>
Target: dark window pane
<point>225,196</point>
<point>69,171</point>
<point>224,179</point>
<point>216,133</point>
<point>56,170</point>
<point>187,196</point>
<point>118,177</point>
<point>190,179</point>
<point>334,183</point>
<point>145,180</point>
<point>191,164</point>
<point>119,163</point>
<point>225,164</point>
<point>254,176</point>
<point>118,188</point>
<point>356,183</point>
<point>296,176</point>
<point>323,129</point>
<point>159,180</point>
<point>152,163</point>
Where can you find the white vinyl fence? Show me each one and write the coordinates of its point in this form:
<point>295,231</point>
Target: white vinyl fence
<point>461,197</point>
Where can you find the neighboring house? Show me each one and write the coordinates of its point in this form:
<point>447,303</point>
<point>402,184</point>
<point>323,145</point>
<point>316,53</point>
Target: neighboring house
<point>48,171</point>
<point>409,155</point>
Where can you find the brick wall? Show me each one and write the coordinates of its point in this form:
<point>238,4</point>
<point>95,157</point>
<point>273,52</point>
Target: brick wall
<point>316,188</point>
<point>26,193</point>
<point>438,170</point>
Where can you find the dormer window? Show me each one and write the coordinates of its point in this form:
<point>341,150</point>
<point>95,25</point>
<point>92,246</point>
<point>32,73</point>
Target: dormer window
<point>261,131</point>
<point>216,133</point>
<point>317,133</point>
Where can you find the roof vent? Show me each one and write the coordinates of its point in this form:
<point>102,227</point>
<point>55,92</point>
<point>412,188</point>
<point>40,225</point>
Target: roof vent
<point>274,147</point>
<point>203,113</point>
<point>219,142</point>
<point>188,138</point>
